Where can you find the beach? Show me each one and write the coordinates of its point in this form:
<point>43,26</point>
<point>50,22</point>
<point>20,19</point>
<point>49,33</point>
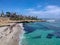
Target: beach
<point>9,35</point>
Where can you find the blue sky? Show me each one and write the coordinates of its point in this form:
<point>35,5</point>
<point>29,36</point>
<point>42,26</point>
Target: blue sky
<point>40,8</point>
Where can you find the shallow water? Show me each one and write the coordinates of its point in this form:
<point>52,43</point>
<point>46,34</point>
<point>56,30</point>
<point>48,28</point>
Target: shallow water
<point>42,33</point>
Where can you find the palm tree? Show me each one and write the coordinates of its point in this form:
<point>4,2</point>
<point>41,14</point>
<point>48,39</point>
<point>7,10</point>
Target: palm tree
<point>8,14</point>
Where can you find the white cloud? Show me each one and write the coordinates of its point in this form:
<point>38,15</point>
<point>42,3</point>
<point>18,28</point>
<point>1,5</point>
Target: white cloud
<point>49,11</point>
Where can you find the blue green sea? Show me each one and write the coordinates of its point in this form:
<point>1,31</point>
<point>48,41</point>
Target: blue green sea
<point>41,33</point>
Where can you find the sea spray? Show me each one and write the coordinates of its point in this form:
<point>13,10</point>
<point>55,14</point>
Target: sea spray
<point>21,36</point>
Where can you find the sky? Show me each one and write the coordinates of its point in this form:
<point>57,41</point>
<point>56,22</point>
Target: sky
<point>39,8</point>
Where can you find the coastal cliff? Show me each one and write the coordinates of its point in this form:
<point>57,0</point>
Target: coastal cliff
<point>9,35</point>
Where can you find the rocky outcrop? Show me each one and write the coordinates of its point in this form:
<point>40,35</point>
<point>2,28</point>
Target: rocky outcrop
<point>49,36</point>
<point>9,35</point>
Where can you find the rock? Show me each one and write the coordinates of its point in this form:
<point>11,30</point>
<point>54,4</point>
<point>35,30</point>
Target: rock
<point>57,36</point>
<point>49,36</point>
<point>10,35</point>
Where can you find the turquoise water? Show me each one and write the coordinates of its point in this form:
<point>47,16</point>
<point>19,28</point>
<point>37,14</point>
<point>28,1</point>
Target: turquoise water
<point>37,33</point>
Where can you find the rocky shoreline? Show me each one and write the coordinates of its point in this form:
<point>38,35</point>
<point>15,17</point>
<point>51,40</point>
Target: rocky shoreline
<point>9,35</point>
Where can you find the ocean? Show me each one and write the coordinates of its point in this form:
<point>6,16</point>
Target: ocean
<point>41,33</point>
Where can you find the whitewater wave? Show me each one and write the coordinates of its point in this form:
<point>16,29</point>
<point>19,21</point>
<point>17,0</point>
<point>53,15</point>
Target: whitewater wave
<point>21,36</point>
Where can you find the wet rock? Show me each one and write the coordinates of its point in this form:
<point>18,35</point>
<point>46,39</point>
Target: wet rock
<point>0,37</point>
<point>49,36</point>
<point>37,37</point>
<point>57,36</point>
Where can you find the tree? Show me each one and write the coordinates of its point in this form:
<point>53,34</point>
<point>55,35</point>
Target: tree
<point>8,14</point>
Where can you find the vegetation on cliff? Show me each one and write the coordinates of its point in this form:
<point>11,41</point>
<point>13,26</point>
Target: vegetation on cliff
<point>15,16</point>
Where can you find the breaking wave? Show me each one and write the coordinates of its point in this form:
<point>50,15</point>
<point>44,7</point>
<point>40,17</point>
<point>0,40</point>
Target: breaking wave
<point>21,36</point>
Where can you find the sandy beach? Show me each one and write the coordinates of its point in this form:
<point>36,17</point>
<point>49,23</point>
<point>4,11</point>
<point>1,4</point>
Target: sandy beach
<point>9,35</point>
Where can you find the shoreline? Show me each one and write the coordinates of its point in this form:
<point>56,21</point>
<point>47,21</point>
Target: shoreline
<point>9,35</point>
<point>5,21</point>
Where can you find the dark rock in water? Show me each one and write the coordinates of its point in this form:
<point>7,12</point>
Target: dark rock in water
<point>28,28</point>
<point>57,33</point>
<point>37,37</point>
<point>49,36</point>
<point>57,36</point>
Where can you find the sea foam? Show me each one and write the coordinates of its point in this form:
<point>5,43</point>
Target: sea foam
<point>21,36</point>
